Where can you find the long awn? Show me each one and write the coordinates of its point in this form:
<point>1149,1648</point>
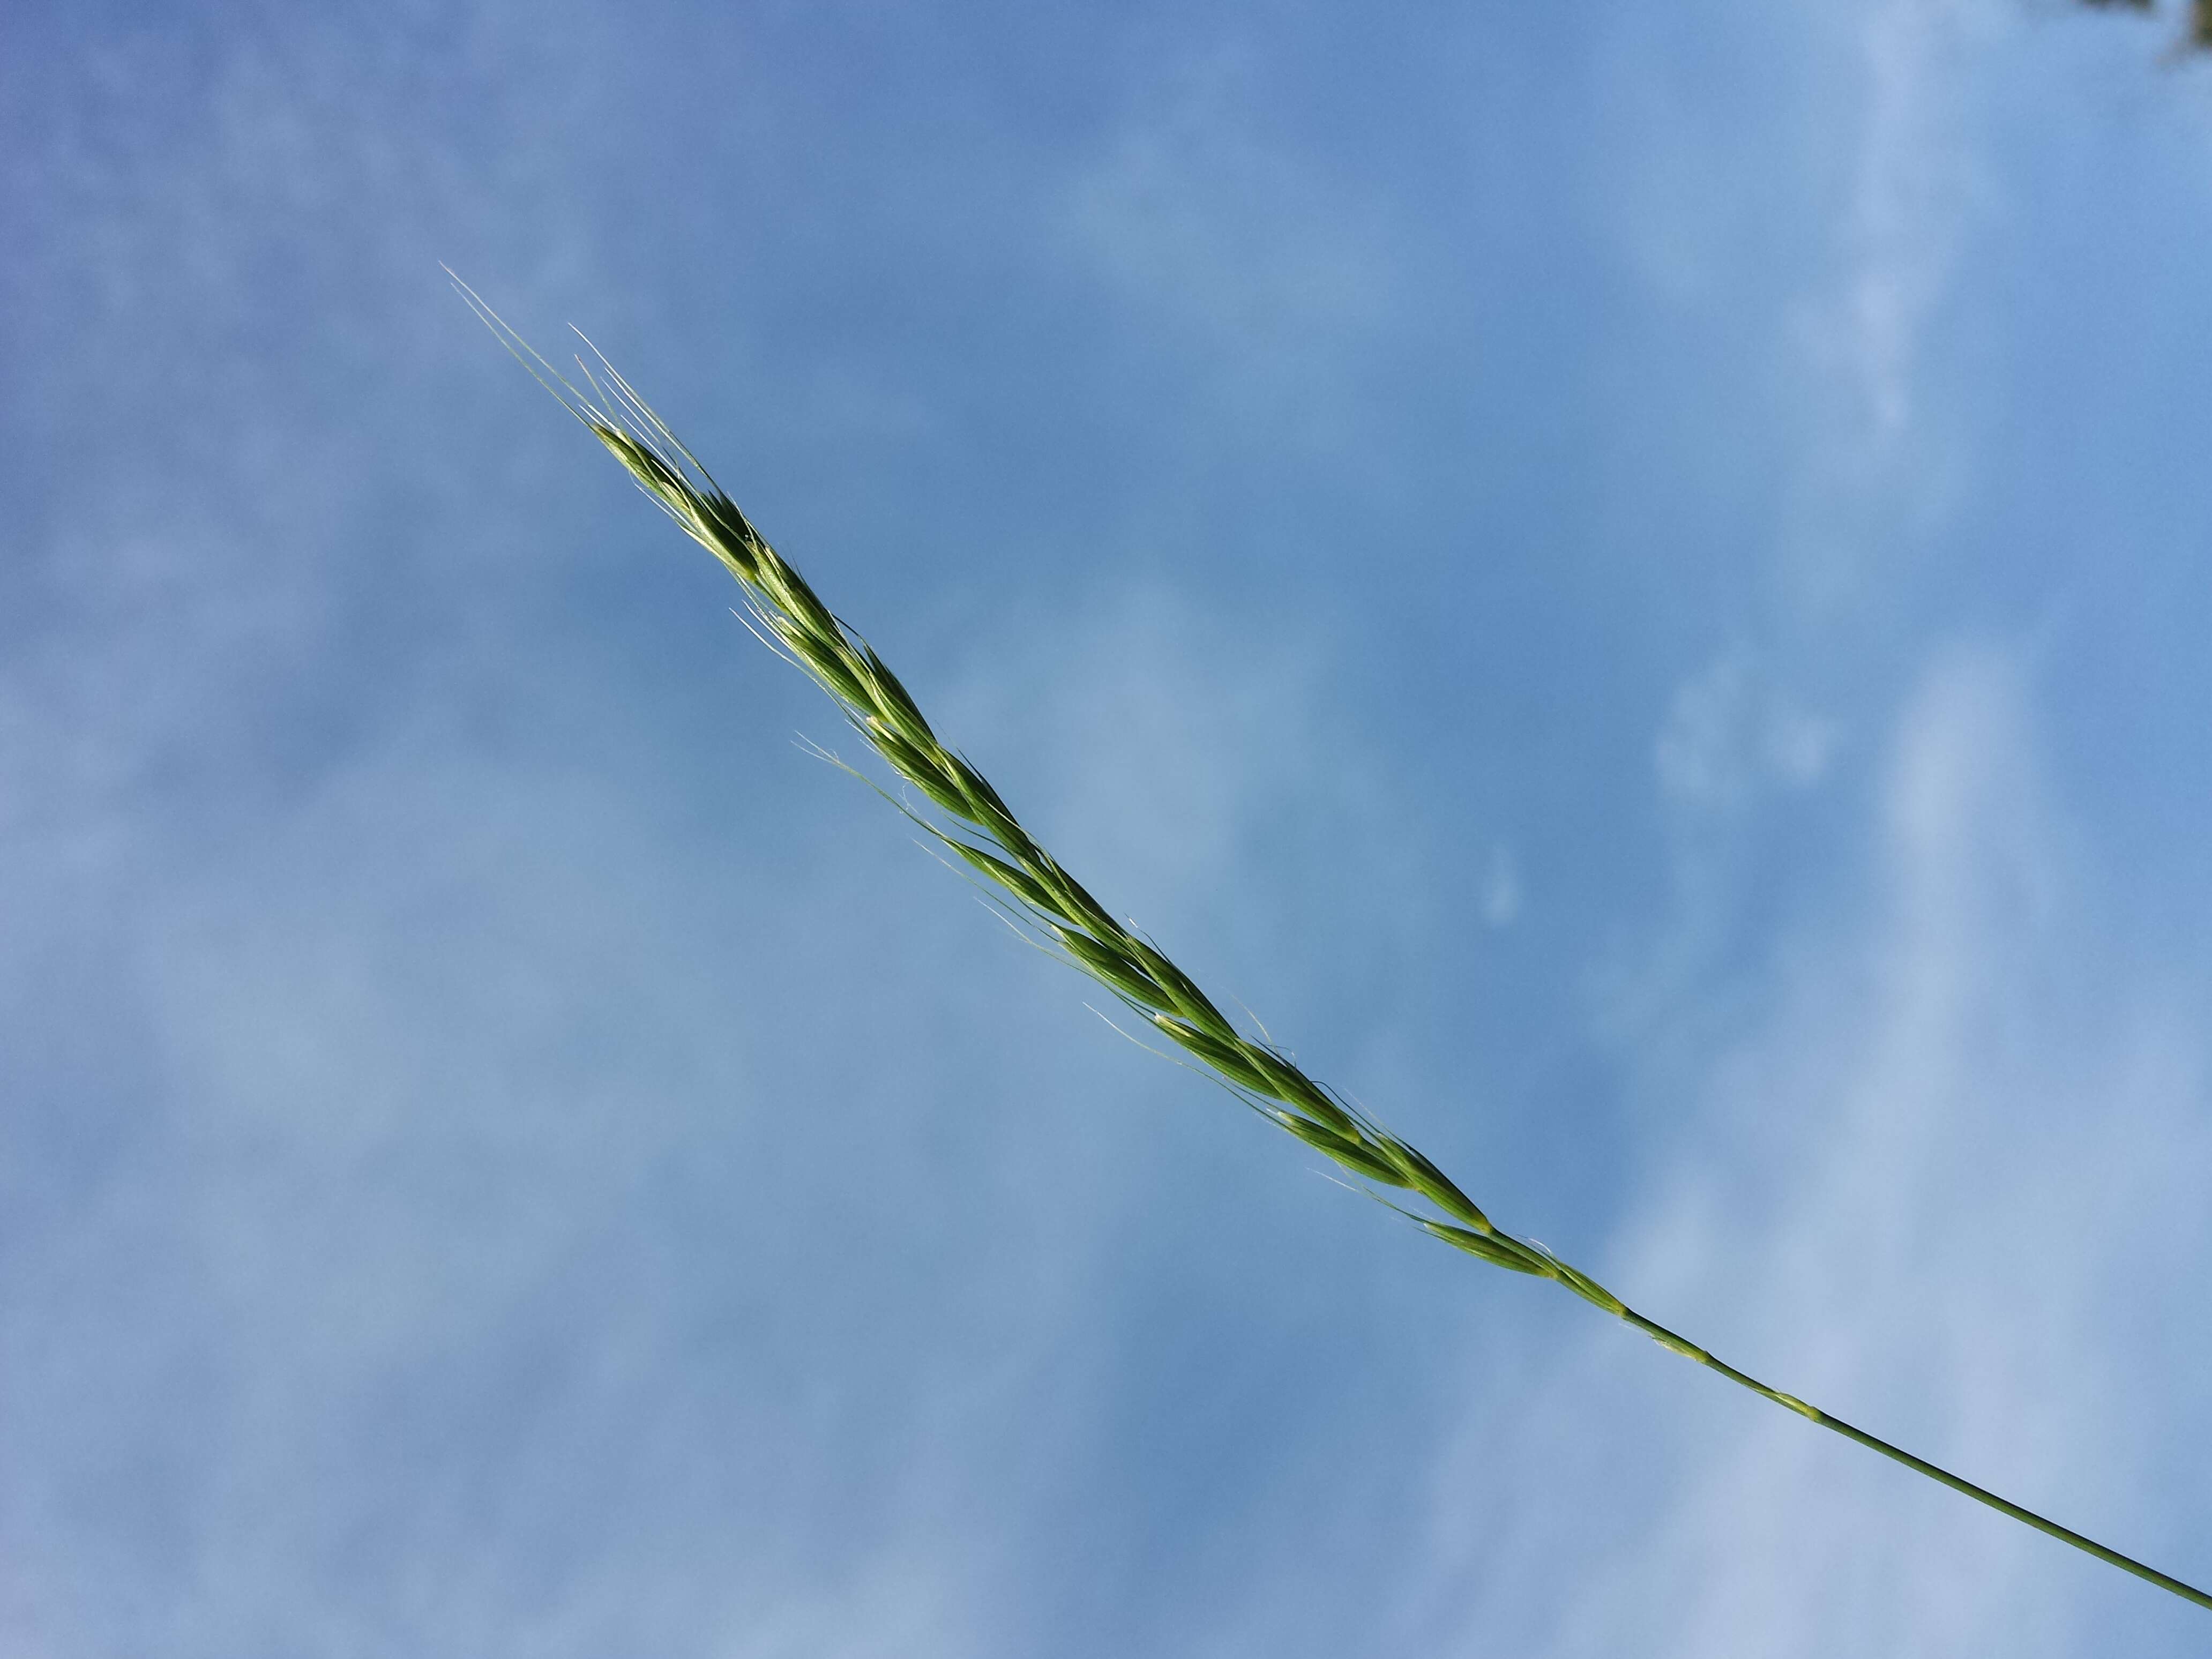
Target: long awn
<point>1056,912</point>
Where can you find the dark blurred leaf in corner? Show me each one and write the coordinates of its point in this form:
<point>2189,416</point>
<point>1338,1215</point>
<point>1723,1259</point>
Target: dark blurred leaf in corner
<point>2196,37</point>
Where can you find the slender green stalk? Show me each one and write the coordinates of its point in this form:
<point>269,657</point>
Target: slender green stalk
<point>1055,912</point>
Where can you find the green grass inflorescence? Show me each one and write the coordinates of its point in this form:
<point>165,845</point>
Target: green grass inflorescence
<point>1032,889</point>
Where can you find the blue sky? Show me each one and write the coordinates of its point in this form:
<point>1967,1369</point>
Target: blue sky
<point>1630,578</point>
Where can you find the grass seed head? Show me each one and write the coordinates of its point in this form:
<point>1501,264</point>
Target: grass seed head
<point>886,716</point>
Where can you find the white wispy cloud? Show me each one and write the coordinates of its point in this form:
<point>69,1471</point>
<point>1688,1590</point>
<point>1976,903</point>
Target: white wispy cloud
<point>1731,733</point>
<point>464,1227</point>
<point>1937,1189</point>
<point>1205,218</point>
<point>1916,186</point>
